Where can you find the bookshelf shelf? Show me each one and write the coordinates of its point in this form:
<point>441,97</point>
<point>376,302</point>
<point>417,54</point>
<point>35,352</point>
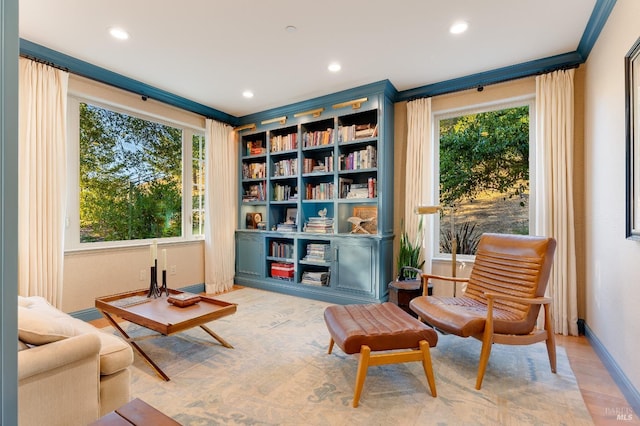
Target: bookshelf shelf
<point>320,171</point>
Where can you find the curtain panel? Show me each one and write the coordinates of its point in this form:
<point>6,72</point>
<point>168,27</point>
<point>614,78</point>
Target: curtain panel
<point>554,190</point>
<point>42,180</point>
<point>420,175</point>
<point>221,201</point>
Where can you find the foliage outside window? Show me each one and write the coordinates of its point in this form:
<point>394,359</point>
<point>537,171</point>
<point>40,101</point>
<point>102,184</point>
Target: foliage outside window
<point>131,177</point>
<point>484,175</point>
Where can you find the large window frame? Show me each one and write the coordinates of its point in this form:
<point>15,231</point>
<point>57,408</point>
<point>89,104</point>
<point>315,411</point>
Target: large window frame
<point>72,222</point>
<point>527,100</point>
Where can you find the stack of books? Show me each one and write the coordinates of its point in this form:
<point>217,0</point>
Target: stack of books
<point>320,225</point>
<point>253,193</point>
<point>317,252</point>
<point>286,227</point>
<point>315,278</point>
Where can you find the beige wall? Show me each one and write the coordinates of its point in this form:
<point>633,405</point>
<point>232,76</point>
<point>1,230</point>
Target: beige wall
<point>612,262</point>
<point>94,273</point>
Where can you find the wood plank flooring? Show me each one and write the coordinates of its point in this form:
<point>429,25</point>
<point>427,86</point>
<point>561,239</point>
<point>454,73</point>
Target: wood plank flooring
<point>601,395</point>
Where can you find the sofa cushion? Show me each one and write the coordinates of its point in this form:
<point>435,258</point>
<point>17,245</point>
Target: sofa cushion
<point>38,328</point>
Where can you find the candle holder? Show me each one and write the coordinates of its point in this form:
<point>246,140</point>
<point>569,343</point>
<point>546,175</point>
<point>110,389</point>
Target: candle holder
<point>164,288</point>
<point>153,284</point>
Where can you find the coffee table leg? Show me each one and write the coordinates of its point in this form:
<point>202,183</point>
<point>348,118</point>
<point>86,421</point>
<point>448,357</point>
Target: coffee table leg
<point>137,348</point>
<point>215,336</point>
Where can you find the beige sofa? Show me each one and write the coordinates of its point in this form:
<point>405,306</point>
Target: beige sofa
<point>69,372</point>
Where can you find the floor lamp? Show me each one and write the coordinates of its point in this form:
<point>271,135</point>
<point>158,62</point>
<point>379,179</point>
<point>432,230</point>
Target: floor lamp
<point>454,240</point>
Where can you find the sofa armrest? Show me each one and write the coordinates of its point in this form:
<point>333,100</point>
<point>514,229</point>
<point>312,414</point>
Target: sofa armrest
<point>41,359</point>
<point>58,383</point>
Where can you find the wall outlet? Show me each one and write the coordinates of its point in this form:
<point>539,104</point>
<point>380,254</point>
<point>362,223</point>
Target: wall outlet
<point>143,274</point>
<point>172,270</point>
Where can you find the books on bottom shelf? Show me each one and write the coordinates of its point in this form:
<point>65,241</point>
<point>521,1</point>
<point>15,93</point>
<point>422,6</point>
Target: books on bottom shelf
<point>320,278</point>
<point>320,225</point>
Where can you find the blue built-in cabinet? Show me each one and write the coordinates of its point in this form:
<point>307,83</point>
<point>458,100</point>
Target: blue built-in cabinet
<point>316,197</point>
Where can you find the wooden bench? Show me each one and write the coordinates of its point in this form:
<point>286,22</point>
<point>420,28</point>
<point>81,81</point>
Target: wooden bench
<point>380,327</point>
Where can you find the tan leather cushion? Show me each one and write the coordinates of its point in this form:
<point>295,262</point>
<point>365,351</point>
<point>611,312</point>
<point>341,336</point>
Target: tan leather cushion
<point>380,326</point>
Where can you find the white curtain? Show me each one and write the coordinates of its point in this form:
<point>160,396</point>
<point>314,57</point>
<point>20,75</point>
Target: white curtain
<point>419,174</point>
<point>221,201</point>
<point>554,191</point>
<point>42,180</point>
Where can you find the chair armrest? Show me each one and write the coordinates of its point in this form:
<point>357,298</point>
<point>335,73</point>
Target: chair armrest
<point>428,277</point>
<point>44,358</point>
<point>525,300</point>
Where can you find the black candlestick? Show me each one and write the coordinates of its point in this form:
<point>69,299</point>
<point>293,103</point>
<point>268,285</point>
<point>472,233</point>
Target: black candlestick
<point>164,288</point>
<point>153,285</point>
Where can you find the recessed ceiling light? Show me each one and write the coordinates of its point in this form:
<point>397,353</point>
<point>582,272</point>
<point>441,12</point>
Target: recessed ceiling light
<point>290,28</point>
<point>458,27</point>
<point>119,33</point>
<point>334,67</point>
<point>247,94</point>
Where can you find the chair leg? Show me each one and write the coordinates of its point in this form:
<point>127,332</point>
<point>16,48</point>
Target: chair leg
<point>487,342</point>
<point>331,342</point>
<point>363,366</point>
<point>428,367</point>
<point>551,340</point>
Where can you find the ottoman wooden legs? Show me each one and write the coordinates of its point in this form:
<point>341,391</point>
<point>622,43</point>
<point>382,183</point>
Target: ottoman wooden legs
<point>382,334</point>
<point>367,359</point>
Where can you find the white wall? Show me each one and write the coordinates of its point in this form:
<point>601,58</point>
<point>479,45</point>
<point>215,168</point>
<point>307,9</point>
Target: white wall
<point>612,262</point>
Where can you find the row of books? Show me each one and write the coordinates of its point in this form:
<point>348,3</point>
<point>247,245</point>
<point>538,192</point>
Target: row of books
<point>321,191</point>
<point>363,190</point>
<point>284,192</point>
<point>280,249</point>
<point>317,278</point>
<point>254,193</point>
<point>254,170</point>
<point>320,225</point>
<point>357,131</point>
<point>287,167</point>
<point>363,159</point>
<point>312,165</point>
<point>284,142</point>
<point>317,138</point>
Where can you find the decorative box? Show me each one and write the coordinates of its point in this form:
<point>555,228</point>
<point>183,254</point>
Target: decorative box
<point>183,299</point>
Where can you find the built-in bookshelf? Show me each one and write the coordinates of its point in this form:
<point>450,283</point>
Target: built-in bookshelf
<point>316,183</point>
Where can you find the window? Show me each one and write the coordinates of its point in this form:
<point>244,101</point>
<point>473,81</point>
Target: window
<point>132,172</point>
<point>484,165</point>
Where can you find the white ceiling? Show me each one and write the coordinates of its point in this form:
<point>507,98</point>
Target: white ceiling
<point>210,51</point>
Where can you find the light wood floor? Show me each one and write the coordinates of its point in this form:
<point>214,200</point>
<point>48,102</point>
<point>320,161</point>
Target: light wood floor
<point>601,395</point>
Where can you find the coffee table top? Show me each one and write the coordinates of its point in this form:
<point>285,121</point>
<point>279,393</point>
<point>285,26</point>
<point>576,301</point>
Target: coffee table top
<point>158,315</point>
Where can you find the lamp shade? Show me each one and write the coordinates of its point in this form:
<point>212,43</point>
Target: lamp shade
<point>427,209</point>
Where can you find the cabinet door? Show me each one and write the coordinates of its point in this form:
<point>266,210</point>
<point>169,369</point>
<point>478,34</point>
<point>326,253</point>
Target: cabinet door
<point>249,255</point>
<point>355,265</point>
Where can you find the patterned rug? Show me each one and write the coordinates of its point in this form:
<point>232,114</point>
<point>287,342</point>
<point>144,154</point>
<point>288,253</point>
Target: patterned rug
<point>279,373</point>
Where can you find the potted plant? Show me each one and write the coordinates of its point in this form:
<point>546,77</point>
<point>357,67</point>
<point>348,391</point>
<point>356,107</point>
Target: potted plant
<point>409,260</point>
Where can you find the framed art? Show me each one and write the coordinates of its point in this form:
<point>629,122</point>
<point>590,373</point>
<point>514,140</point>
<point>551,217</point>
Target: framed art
<point>291,216</point>
<point>632,110</point>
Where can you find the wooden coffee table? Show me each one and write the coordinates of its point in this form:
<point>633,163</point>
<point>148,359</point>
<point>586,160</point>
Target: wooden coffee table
<point>164,318</point>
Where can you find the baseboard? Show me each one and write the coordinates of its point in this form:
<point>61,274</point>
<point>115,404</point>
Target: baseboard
<point>91,314</point>
<point>626,387</point>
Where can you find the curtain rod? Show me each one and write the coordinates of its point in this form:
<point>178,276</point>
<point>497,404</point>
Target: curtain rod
<point>480,86</point>
<point>48,63</point>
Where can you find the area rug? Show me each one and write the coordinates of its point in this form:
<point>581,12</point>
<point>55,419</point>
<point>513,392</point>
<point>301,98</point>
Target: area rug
<point>279,373</point>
